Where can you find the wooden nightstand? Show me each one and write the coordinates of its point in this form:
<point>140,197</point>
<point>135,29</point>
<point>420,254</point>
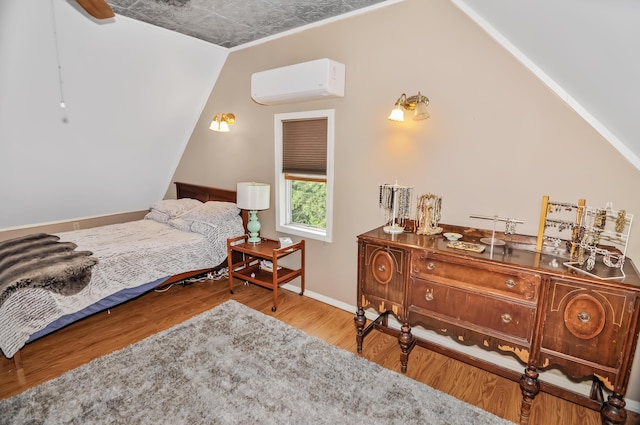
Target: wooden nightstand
<point>248,268</point>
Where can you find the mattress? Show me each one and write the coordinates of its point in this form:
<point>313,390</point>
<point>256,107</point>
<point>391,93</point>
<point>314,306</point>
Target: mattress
<point>132,258</point>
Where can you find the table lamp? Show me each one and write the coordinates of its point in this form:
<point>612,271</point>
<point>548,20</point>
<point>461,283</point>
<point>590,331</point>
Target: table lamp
<point>253,196</point>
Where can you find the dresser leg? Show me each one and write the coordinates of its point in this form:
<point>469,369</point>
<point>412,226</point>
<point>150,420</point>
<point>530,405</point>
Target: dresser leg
<point>613,411</point>
<point>360,320</point>
<point>407,342</point>
<point>530,386</point>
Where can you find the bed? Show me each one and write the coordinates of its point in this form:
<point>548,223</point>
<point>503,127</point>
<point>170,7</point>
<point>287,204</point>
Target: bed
<point>176,240</point>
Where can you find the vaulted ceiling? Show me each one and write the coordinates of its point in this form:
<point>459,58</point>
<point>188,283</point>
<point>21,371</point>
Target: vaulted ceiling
<point>586,51</point>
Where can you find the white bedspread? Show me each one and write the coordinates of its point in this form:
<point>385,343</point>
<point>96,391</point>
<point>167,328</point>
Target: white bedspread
<point>129,255</point>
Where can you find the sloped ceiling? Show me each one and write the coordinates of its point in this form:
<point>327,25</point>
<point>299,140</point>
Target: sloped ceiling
<point>587,51</point>
<point>584,50</point>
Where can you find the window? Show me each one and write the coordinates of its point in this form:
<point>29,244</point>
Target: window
<point>304,173</point>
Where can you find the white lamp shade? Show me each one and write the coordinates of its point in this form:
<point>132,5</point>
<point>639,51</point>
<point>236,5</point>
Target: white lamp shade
<point>421,111</point>
<point>253,196</point>
<point>397,114</point>
<point>221,126</point>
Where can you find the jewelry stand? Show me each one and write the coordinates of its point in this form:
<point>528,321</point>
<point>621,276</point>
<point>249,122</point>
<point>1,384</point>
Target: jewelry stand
<point>428,214</point>
<point>509,230</point>
<point>395,200</point>
<point>555,218</point>
<point>597,225</point>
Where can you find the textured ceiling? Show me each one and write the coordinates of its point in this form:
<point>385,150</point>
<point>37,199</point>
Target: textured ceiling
<point>230,23</point>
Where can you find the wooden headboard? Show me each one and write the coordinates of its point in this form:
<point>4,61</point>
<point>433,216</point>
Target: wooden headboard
<point>205,193</point>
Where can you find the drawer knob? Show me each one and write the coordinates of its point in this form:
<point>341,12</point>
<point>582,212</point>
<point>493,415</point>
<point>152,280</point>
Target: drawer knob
<point>510,283</point>
<point>506,318</point>
<point>429,295</point>
<point>584,317</point>
<point>430,266</point>
<point>382,267</point>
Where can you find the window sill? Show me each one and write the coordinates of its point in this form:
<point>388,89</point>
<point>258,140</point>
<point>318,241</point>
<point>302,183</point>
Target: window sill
<point>304,232</point>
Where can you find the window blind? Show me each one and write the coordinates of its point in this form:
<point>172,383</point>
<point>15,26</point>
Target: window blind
<point>304,146</point>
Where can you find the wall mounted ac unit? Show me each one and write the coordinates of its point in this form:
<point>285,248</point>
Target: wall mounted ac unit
<point>312,80</point>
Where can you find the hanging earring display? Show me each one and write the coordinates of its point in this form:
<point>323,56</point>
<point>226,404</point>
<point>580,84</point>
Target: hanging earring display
<point>601,236</point>
<point>510,227</point>
<point>395,201</point>
<point>621,221</point>
<point>600,219</point>
<point>591,261</point>
<point>492,241</point>
<point>581,255</point>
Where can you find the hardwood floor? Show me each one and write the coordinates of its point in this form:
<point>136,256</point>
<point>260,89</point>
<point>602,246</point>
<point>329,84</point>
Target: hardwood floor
<point>108,331</point>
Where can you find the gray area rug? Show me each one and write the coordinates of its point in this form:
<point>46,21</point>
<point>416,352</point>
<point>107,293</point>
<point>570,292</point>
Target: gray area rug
<point>234,365</point>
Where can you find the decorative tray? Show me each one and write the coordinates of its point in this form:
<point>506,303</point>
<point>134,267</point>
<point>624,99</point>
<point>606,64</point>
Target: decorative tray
<point>467,246</point>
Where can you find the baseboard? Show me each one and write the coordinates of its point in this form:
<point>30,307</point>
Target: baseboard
<point>552,376</point>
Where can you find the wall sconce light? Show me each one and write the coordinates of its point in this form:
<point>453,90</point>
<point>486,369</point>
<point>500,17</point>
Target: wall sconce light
<point>417,103</point>
<point>221,122</point>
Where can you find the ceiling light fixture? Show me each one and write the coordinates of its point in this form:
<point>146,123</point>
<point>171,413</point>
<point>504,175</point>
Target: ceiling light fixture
<point>221,122</point>
<point>417,103</point>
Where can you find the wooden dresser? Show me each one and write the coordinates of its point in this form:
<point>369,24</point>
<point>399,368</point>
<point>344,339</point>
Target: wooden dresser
<point>511,300</point>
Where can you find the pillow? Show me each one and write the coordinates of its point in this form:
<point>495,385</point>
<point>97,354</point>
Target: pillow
<point>212,212</point>
<point>217,233</point>
<point>205,229</point>
<point>173,208</point>
<point>180,224</point>
<point>158,216</point>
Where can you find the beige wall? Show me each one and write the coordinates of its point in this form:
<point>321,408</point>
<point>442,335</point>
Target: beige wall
<point>496,142</point>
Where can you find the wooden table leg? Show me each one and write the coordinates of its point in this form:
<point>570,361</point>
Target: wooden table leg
<point>274,284</point>
<point>530,386</point>
<point>360,320</point>
<point>230,266</point>
<point>275,297</point>
<point>302,268</point>
<point>613,411</point>
<point>407,342</point>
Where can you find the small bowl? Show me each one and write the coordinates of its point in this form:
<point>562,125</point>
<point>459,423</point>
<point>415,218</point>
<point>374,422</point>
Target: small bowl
<point>452,236</point>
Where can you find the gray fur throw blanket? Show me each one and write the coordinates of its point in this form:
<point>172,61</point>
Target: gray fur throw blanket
<point>39,260</point>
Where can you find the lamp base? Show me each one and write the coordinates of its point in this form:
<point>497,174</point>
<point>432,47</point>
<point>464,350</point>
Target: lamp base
<point>253,226</point>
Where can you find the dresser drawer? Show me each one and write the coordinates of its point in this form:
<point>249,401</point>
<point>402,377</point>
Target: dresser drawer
<point>485,276</point>
<point>492,315</point>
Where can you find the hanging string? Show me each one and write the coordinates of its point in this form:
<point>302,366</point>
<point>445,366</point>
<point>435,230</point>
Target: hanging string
<point>55,40</point>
